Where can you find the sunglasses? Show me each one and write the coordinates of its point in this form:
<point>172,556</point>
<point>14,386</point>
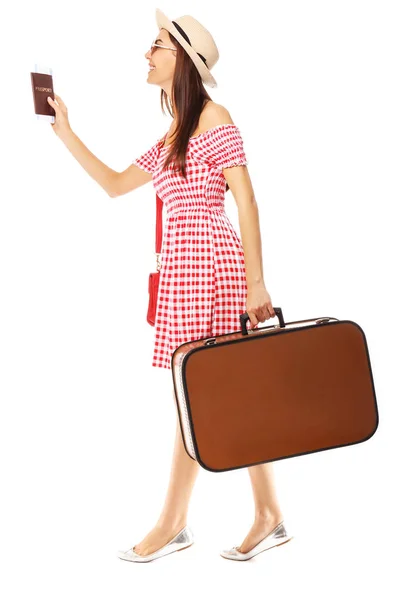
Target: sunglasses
<point>154,46</point>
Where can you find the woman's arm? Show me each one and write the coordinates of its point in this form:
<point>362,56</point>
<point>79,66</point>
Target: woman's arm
<point>113,182</point>
<point>105,176</point>
<point>259,303</point>
<point>239,182</point>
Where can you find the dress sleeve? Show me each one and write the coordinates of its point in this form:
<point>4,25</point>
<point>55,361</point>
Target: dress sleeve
<point>148,160</point>
<point>222,146</point>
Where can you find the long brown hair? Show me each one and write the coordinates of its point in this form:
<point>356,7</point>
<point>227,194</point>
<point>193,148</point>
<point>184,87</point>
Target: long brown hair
<point>189,97</point>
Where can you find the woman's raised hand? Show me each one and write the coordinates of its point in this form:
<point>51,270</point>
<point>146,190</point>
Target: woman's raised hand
<point>61,124</point>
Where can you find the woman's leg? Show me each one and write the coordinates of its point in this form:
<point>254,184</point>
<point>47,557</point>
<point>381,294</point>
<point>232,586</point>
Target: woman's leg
<point>184,471</point>
<point>267,511</point>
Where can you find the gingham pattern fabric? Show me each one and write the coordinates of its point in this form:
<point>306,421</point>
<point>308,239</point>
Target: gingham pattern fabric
<point>202,288</point>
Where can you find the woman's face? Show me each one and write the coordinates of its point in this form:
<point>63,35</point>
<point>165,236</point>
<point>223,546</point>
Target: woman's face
<point>162,59</point>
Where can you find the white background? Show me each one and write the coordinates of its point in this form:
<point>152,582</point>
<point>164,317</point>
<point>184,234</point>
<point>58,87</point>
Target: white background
<point>87,425</point>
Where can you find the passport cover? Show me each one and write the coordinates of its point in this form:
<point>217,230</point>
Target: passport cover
<point>42,86</point>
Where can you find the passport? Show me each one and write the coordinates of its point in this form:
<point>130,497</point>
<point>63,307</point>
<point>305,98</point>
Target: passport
<point>42,86</point>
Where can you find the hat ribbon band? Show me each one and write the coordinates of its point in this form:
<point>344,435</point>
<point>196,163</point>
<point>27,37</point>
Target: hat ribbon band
<point>179,28</point>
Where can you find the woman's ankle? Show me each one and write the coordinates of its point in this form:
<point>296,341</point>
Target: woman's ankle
<point>168,523</point>
<point>267,517</point>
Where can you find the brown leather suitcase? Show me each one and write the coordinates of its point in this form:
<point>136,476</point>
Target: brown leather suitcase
<point>259,395</point>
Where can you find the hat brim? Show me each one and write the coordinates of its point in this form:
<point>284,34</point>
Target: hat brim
<point>164,23</point>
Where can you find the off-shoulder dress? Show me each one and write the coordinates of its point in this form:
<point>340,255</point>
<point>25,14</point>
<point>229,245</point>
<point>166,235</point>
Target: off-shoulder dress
<point>202,289</point>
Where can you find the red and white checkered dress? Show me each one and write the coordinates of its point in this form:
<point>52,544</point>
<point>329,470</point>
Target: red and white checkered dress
<point>202,289</point>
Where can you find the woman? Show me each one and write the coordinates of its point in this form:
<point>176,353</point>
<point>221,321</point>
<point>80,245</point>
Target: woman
<point>191,167</point>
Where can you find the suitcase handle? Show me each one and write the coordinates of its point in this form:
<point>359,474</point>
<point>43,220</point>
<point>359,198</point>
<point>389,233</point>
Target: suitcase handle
<point>245,317</point>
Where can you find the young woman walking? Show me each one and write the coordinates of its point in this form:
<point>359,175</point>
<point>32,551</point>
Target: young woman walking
<point>207,277</point>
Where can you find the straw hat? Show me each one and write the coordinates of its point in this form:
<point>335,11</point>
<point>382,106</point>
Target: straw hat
<point>196,40</point>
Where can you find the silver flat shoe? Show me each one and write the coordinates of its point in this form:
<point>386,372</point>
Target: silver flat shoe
<point>276,537</point>
<point>182,540</point>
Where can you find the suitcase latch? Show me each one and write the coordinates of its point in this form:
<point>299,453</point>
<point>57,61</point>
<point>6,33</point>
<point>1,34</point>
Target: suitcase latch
<point>324,320</point>
<point>210,342</point>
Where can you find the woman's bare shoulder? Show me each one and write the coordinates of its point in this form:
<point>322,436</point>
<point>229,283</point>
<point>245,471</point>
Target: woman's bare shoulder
<point>215,114</point>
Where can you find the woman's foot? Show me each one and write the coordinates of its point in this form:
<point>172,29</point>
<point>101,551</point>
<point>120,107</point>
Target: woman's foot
<point>262,526</point>
<point>157,538</point>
